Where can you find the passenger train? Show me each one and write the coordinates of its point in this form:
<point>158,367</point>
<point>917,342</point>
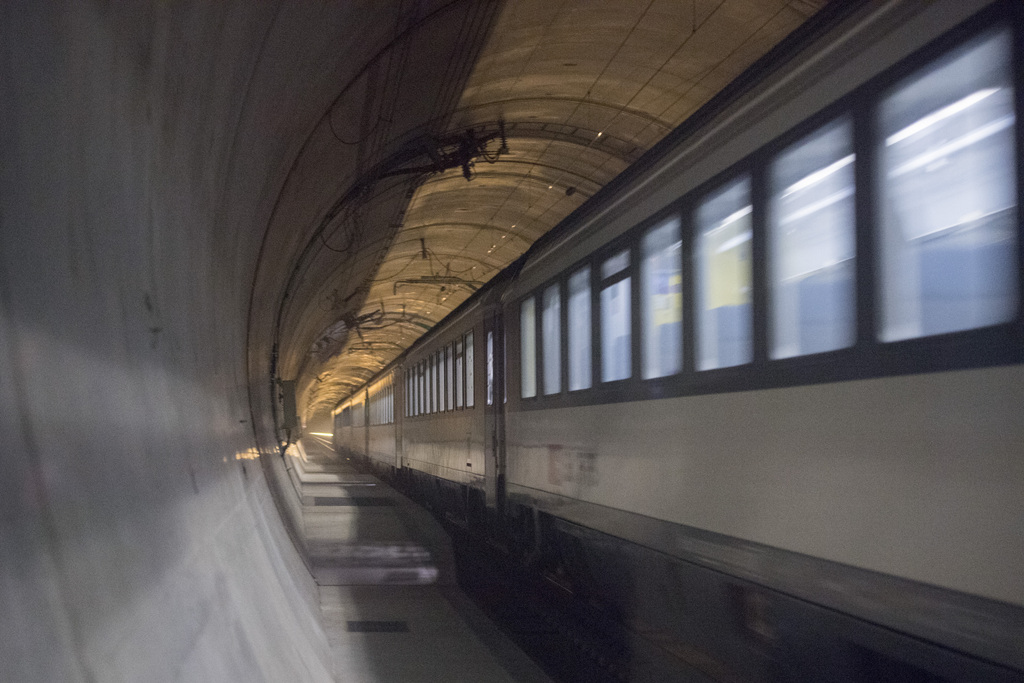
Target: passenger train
<point>763,393</point>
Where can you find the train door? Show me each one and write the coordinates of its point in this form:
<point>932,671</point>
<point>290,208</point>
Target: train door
<point>494,408</point>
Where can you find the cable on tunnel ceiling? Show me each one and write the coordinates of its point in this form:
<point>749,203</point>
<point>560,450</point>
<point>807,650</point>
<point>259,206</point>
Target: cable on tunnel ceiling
<point>712,69</point>
<point>568,118</point>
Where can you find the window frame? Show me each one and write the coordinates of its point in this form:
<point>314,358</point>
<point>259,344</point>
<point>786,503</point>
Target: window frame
<point>868,356</point>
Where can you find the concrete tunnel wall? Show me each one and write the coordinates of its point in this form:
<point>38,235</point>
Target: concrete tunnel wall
<point>142,149</point>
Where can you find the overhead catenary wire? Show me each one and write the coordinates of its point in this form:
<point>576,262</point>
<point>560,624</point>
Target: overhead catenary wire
<point>568,118</point>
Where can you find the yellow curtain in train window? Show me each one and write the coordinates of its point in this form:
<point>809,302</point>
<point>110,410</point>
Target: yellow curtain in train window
<point>667,306</point>
<point>728,263</point>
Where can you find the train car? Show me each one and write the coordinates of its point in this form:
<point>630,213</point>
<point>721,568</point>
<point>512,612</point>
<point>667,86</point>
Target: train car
<point>381,446</point>
<point>763,392</point>
<point>443,423</point>
<point>341,417</point>
<point>350,428</point>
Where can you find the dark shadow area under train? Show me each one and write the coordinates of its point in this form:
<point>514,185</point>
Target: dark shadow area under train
<point>587,606</point>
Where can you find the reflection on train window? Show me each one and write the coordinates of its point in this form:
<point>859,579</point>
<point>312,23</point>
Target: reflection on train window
<point>723,277</point>
<point>811,244</point>
<point>470,400</point>
<point>948,221</point>
<point>615,321</point>
<point>579,330</point>
<point>490,367</point>
<point>551,339</point>
<point>528,347</point>
<point>661,296</point>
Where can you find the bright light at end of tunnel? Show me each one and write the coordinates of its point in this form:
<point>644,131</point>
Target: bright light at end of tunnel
<point>321,434</point>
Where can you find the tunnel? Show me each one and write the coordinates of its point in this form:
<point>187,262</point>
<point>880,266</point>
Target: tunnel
<point>220,220</point>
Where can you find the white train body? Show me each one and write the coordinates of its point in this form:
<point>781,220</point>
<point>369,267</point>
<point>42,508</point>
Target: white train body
<point>881,477</point>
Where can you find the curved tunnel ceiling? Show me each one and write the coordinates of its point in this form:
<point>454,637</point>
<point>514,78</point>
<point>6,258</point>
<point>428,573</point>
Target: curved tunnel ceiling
<point>377,241</point>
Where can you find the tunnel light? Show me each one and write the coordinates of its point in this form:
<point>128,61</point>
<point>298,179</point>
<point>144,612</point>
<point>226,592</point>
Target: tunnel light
<point>817,206</point>
<point>817,176</point>
<point>940,115</point>
<point>733,242</point>
<point>730,219</point>
<point>955,145</point>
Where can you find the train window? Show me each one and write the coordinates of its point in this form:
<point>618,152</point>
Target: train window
<point>947,240</point>
<point>442,381</point>
<point>579,330</point>
<point>423,387</point>
<point>432,386</point>
<point>724,317</point>
<point>449,370</point>
<point>551,339</point>
<point>439,385</point>
<point>528,347</point>
<point>616,336</point>
<point>470,394</point>
<point>812,244</point>
<point>460,376</point>
<point>661,282</point>
<point>438,379</point>
<point>490,368</point>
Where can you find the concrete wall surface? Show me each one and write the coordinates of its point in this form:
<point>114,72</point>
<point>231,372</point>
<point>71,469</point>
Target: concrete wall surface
<point>142,146</point>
